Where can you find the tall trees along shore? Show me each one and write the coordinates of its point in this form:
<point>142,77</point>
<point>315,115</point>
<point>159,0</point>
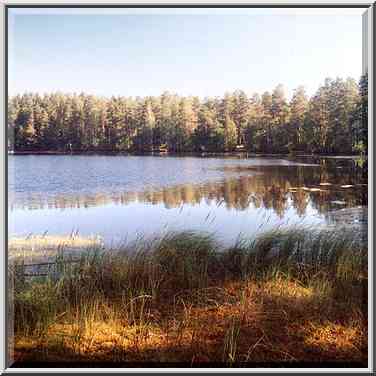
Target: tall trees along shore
<point>332,121</point>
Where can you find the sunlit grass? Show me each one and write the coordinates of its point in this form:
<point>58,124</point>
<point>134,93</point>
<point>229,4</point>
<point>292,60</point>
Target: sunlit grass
<point>292,295</point>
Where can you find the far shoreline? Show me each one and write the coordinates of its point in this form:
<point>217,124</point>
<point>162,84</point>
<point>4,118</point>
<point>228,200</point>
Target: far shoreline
<point>193,154</point>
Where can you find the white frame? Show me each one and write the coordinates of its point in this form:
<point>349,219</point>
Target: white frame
<point>3,343</point>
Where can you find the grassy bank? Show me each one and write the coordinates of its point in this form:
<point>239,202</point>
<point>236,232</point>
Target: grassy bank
<point>286,296</point>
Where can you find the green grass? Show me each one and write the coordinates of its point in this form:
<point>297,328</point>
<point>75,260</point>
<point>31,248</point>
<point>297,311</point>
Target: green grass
<point>161,285</point>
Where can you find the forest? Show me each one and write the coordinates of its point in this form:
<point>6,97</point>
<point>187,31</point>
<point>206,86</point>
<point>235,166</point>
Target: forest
<point>332,121</point>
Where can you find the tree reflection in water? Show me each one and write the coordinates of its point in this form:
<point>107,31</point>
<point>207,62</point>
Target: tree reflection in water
<point>326,187</point>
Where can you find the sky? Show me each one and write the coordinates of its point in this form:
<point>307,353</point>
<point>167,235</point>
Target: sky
<point>189,52</point>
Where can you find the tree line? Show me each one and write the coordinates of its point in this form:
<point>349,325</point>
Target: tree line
<point>332,121</point>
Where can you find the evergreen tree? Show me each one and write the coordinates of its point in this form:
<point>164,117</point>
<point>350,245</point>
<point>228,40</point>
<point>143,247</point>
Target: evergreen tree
<point>359,121</point>
<point>267,123</point>
<point>298,108</point>
<point>229,134</point>
<point>280,112</point>
<point>240,114</point>
<point>333,120</point>
<point>320,118</point>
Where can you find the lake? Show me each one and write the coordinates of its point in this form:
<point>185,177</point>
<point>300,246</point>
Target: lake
<point>123,197</point>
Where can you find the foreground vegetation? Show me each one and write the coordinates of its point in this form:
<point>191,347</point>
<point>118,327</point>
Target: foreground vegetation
<point>333,120</point>
<point>285,297</point>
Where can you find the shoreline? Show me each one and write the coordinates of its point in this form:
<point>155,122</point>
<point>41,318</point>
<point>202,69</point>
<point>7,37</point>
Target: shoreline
<point>174,154</point>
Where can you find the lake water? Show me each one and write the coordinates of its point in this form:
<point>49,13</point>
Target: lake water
<point>122,197</point>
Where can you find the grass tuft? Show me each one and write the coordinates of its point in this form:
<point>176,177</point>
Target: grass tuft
<point>286,295</point>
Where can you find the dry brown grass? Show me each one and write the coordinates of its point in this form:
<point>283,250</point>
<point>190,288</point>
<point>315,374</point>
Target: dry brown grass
<point>181,302</point>
<point>238,323</point>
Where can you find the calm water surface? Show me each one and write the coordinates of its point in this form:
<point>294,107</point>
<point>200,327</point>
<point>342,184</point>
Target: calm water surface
<point>121,197</point>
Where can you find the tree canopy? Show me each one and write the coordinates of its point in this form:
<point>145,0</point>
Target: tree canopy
<point>332,121</point>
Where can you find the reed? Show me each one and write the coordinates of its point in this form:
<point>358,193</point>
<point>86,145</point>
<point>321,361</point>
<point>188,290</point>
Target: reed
<point>182,297</point>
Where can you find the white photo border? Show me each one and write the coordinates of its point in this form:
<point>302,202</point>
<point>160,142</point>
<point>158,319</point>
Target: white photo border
<point>370,14</point>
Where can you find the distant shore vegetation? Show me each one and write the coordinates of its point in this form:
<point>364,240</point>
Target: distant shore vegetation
<point>332,121</point>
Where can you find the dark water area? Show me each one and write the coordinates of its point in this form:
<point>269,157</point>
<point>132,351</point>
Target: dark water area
<point>123,197</point>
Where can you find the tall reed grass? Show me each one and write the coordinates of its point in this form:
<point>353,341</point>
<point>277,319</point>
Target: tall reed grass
<point>136,282</point>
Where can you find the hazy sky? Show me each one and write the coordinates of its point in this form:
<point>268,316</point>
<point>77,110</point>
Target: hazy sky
<point>204,53</point>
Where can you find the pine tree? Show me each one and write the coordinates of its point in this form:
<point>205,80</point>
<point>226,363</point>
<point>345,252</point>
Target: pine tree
<point>230,134</point>
<point>280,113</point>
<point>298,108</point>
<point>267,122</point>
<point>240,114</point>
<point>320,108</point>
<point>333,120</point>
<point>254,133</point>
<point>359,120</point>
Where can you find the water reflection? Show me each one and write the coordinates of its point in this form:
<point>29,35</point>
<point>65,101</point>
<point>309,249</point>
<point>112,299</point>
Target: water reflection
<point>324,187</point>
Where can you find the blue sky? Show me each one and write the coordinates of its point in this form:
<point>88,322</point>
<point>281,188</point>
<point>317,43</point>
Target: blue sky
<point>145,52</point>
